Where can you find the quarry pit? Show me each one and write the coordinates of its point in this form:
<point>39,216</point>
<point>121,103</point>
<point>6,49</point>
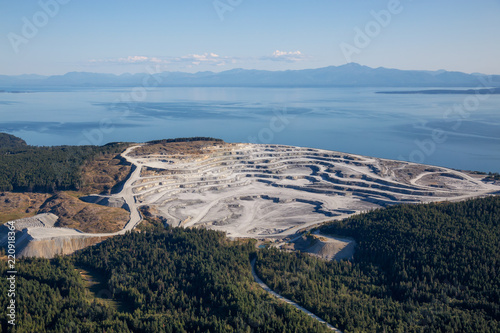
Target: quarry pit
<point>263,191</point>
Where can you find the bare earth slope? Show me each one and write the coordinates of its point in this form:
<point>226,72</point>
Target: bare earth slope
<point>74,213</point>
<point>15,206</point>
<point>322,246</point>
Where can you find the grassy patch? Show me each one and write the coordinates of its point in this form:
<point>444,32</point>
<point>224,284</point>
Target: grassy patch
<point>97,289</point>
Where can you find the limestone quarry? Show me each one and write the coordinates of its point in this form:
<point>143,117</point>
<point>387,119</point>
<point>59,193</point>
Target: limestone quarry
<point>263,190</point>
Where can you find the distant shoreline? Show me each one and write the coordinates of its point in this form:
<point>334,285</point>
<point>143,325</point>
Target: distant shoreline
<point>486,91</point>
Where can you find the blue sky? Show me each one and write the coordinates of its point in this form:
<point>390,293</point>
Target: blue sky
<point>118,36</point>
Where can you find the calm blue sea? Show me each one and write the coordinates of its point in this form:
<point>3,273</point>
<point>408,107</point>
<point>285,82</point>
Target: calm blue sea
<point>458,131</point>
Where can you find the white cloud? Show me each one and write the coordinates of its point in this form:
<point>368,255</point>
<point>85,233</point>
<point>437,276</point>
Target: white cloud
<point>292,56</point>
<point>207,58</point>
<point>139,59</point>
<point>130,60</point>
<point>201,59</point>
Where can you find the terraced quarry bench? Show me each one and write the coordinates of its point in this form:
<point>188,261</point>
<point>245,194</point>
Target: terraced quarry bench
<point>252,190</point>
<point>259,191</point>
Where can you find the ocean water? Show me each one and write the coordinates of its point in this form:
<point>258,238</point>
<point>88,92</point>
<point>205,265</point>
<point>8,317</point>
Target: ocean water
<point>457,131</point>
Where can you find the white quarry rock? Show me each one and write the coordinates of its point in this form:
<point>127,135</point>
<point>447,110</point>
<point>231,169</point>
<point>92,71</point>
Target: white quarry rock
<point>262,191</point>
<point>251,190</point>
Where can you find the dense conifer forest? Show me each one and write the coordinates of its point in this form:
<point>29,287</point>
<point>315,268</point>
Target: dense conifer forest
<point>417,268</point>
<point>171,280</point>
<point>47,169</point>
<point>11,141</point>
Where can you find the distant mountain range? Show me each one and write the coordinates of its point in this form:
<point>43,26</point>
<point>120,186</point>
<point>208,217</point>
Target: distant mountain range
<point>350,75</point>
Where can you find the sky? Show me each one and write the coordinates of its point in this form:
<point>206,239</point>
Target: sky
<point>52,37</point>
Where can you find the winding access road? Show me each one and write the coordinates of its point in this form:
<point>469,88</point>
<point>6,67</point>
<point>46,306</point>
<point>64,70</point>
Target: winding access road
<point>286,300</point>
<point>126,193</point>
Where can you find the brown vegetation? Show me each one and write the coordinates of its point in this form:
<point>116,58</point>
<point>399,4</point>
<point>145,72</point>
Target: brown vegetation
<point>15,206</point>
<point>178,148</point>
<point>103,173</point>
<point>74,213</point>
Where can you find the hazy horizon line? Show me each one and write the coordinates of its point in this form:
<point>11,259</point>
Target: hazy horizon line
<point>250,69</point>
